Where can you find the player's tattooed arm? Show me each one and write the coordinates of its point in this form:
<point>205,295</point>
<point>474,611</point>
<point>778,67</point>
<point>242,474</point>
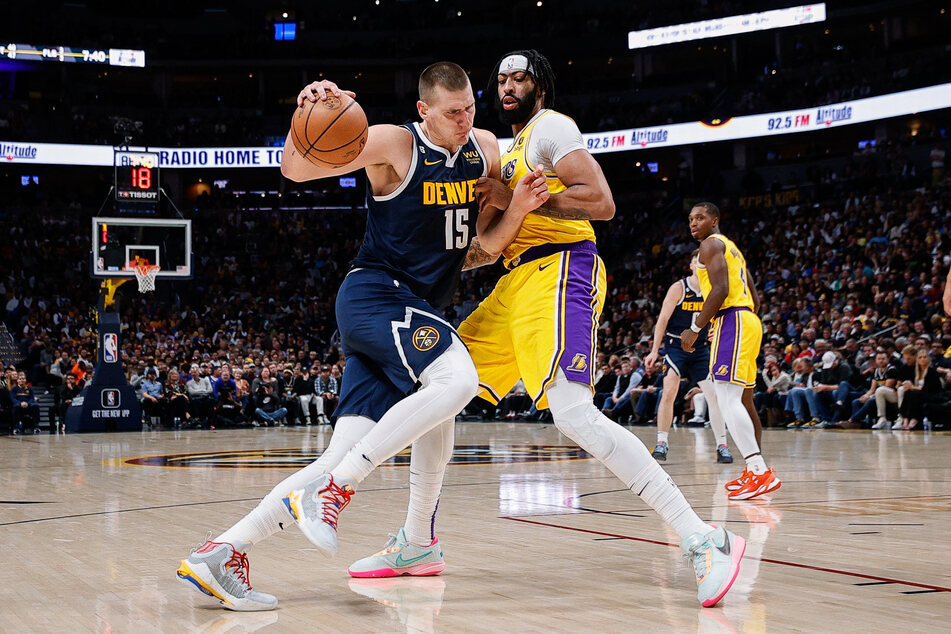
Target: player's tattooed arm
<point>477,256</point>
<point>586,196</point>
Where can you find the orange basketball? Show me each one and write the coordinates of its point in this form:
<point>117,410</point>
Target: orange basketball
<point>330,133</point>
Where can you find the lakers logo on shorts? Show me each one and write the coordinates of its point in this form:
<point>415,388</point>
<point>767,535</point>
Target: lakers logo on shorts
<point>425,338</point>
<point>579,363</point>
<point>722,370</point>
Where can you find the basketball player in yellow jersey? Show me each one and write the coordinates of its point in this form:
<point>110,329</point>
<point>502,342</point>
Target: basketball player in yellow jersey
<point>728,304</point>
<point>540,322</point>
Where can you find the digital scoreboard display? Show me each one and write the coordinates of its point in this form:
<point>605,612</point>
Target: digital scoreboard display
<point>137,177</point>
<point>72,55</point>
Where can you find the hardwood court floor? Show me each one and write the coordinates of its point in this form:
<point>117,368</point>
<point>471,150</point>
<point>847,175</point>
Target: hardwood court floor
<point>537,537</point>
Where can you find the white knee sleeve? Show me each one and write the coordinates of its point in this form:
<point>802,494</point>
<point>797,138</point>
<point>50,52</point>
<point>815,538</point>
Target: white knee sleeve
<point>448,384</point>
<point>454,374</point>
<point>577,418</point>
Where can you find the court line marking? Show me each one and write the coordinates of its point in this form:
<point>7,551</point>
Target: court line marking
<point>184,504</point>
<point>780,562</point>
<point>772,503</point>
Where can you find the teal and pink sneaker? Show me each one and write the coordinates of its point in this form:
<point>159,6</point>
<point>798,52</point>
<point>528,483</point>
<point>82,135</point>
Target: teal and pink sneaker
<point>716,557</point>
<point>400,557</point>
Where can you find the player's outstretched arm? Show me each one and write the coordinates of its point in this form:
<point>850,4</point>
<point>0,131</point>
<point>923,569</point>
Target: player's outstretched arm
<point>386,144</point>
<point>711,256</point>
<point>671,299</point>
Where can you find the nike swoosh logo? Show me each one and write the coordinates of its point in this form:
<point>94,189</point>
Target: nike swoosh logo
<point>542,268</point>
<point>432,162</point>
<point>401,563</point>
<point>725,548</point>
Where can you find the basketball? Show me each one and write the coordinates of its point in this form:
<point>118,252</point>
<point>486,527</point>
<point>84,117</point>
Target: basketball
<point>330,133</point>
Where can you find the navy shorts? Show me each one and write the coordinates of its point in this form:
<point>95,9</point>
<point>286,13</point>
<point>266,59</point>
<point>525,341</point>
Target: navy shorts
<point>389,337</point>
<point>693,366</point>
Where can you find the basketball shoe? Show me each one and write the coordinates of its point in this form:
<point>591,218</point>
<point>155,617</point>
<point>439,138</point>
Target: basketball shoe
<point>660,451</point>
<point>724,455</point>
<point>756,485</point>
<point>316,507</point>
<point>734,485</point>
<point>220,571</point>
<point>400,557</point>
<point>716,557</point>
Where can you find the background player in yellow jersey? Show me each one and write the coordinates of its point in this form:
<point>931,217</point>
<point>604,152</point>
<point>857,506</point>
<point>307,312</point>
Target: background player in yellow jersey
<point>540,322</point>
<point>737,334</point>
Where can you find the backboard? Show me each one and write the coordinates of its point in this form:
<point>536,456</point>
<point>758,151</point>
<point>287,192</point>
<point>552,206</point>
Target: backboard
<point>166,242</point>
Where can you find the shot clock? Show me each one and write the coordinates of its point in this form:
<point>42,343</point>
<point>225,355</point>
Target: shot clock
<point>137,177</point>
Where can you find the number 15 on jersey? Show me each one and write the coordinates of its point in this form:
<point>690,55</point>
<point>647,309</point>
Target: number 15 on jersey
<point>457,231</point>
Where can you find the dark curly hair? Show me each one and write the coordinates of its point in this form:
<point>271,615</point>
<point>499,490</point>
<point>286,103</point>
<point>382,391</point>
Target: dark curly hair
<point>541,72</point>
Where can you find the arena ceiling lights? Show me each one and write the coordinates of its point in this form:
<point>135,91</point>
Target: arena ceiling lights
<point>732,25</point>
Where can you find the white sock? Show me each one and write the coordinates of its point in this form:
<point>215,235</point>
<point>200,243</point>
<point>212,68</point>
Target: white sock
<point>655,487</point>
<point>756,464</point>
<point>730,401</point>
<point>662,437</point>
<point>448,384</point>
<point>431,454</point>
<point>270,515</point>
<point>622,452</point>
<point>717,424</point>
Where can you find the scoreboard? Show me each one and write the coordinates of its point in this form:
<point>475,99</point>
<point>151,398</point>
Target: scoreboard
<point>137,177</point>
<point>110,56</point>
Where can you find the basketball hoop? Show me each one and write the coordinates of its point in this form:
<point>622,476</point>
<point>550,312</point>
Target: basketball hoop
<point>145,275</point>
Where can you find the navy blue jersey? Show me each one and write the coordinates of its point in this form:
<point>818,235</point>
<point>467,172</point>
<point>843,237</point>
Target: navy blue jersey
<point>420,233</point>
<point>686,313</point>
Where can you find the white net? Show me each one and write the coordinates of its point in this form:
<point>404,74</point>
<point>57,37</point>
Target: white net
<point>145,276</point>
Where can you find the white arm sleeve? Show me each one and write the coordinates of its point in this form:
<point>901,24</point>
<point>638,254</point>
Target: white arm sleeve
<point>553,137</point>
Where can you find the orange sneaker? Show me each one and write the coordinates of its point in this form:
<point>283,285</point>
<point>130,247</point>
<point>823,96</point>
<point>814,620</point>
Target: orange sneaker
<point>735,485</point>
<point>756,485</point>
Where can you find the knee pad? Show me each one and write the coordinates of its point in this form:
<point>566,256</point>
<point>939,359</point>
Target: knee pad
<point>585,425</point>
<point>453,372</point>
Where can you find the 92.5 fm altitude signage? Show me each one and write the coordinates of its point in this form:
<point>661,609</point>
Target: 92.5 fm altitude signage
<point>748,126</point>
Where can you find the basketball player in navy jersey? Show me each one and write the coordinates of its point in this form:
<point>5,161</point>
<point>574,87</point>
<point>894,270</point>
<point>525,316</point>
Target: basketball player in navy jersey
<point>408,373</point>
<point>679,311</point>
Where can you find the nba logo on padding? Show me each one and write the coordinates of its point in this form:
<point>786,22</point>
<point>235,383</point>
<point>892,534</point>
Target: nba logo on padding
<point>110,398</point>
<point>110,347</point>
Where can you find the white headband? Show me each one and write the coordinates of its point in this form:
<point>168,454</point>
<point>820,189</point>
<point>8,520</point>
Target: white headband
<point>514,63</point>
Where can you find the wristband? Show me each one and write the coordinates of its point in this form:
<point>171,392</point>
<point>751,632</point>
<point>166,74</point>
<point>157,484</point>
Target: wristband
<point>695,328</point>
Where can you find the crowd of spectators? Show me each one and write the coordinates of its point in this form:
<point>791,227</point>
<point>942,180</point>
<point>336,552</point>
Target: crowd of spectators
<point>858,272</point>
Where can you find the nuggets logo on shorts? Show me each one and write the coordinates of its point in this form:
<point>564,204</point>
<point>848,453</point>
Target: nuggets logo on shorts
<point>425,338</point>
<point>722,370</point>
<point>579,363</point>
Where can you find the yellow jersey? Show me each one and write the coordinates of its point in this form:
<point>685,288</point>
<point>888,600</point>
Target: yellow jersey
<point>739,294</point>
<point>547,138</point>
